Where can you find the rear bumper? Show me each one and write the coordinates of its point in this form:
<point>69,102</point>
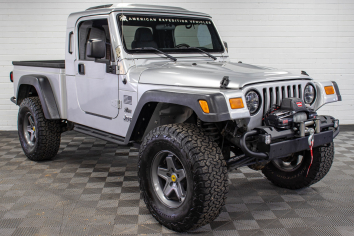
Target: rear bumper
<point>286,142</point>
<point>13,99</point>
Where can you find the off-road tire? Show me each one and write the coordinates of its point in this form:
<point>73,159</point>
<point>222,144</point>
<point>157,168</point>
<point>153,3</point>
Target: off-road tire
<point>48,133</point>
<point>205,167</point>
<point>322,162</point>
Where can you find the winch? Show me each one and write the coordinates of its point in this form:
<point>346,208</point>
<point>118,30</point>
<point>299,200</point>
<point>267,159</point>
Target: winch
<point>292,110</point>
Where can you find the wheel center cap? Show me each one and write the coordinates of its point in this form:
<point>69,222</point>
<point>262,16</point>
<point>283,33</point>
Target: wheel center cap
<point>173,178</point>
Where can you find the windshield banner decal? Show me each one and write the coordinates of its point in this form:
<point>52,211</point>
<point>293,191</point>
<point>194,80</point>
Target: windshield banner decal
<point>187,21</point>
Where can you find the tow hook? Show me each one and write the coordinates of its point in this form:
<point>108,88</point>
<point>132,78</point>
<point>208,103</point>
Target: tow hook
<point>311,141</point>
<point>311,137</point>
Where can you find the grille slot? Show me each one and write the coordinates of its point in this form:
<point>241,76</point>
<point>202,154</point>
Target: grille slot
<point>274,95</point>
<point>283,93</point>
<point>272,100</point>
<point>300,91</point>
<point>265,100</point>
<point>277,94</point>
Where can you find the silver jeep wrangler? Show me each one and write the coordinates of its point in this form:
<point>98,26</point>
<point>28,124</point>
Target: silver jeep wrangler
<point>159,78</point>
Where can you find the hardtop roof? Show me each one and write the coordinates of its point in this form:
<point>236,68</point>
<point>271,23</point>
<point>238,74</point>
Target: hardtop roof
<point>129,7</point>
<point>119,6</point>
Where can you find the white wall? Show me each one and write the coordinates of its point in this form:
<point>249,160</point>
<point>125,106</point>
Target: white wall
<point>312,35</point>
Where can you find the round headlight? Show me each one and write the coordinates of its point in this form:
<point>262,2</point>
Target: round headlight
<point>252,101</point>
<point>309,94</point>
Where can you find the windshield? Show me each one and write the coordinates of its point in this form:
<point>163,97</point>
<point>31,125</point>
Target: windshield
<point>168,34</point>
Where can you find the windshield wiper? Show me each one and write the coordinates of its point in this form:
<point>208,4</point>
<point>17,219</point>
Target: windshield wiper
<point>211,56</point>
<point>151,48</point>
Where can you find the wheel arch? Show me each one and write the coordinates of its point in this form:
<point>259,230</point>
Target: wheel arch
<point>167,107</point>
<point>38,85</point>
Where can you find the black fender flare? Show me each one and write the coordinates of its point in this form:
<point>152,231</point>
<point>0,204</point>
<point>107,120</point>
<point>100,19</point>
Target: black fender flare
<point>45,94</point>
<point>217,105</point>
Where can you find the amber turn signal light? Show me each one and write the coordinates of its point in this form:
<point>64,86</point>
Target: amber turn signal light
<point>204,105</point>
<point>329,90</point>
<point>236,103</point>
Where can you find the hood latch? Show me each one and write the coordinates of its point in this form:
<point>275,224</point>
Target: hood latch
<point>224,82</point>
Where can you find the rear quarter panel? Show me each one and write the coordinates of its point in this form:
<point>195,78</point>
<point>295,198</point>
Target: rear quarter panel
<point>56,78</point>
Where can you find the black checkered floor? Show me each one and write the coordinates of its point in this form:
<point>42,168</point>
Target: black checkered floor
<point>91,188</point>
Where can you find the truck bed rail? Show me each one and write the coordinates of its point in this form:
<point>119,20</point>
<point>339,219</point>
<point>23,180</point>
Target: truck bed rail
<point>50,63</point>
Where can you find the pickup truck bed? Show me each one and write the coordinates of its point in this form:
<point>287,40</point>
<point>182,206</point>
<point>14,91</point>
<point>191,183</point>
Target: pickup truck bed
<point>53,70</point>
<point>50,63</point>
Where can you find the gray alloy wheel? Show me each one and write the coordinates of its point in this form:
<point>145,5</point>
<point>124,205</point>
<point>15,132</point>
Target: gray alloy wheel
<point>29,129</point>
<point>289,164</point>
<point>169,179</point>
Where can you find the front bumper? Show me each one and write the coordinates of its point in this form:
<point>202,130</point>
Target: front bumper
<point>286,142</point>
<point>284,148</point>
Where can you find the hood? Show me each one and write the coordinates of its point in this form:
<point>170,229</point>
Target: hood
<point>210,74</point>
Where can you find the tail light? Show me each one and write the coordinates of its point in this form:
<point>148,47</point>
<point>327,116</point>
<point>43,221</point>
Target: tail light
<point>11,76</point>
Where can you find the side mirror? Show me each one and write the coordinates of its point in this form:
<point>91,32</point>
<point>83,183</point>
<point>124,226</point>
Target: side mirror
<point>226,47</point>
<point>96,48</point>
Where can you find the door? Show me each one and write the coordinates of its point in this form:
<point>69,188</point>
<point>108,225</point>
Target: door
<point>96,86</point>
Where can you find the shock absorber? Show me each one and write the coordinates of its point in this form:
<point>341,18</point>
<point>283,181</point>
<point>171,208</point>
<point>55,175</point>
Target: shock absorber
<point>210,129</point>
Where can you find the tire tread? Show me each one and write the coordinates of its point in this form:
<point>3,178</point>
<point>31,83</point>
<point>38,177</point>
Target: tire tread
<point>49,132</point>
<point>322,162</point>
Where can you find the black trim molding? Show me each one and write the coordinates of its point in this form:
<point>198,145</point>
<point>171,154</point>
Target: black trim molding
<point>216,101</point>
<point>337,90</point>
<point>45,94</point>
<point>59,64</point>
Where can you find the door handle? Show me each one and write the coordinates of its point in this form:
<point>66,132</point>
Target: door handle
<point>81,69</point>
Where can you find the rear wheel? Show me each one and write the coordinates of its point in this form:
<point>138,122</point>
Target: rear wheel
<point>39,137</point>
<point>291,172</point>
<point>183,176</point>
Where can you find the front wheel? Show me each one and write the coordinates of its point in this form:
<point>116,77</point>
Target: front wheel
<point>291,172</point>
<point>39,137</point>
<point>183,176</point>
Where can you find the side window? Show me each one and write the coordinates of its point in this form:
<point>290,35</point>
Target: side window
<point>94,29</point>
<point>194,36</point>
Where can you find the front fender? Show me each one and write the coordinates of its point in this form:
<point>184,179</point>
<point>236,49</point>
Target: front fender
<point>44,91</point>
<point>322,98</point>
<point>216,101</point>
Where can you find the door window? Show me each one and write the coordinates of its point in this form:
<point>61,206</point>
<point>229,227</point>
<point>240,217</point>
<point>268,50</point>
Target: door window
<point>94,29</point>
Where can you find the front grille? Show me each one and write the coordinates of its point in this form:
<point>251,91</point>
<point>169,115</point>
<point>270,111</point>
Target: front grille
<point>274,95</point>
